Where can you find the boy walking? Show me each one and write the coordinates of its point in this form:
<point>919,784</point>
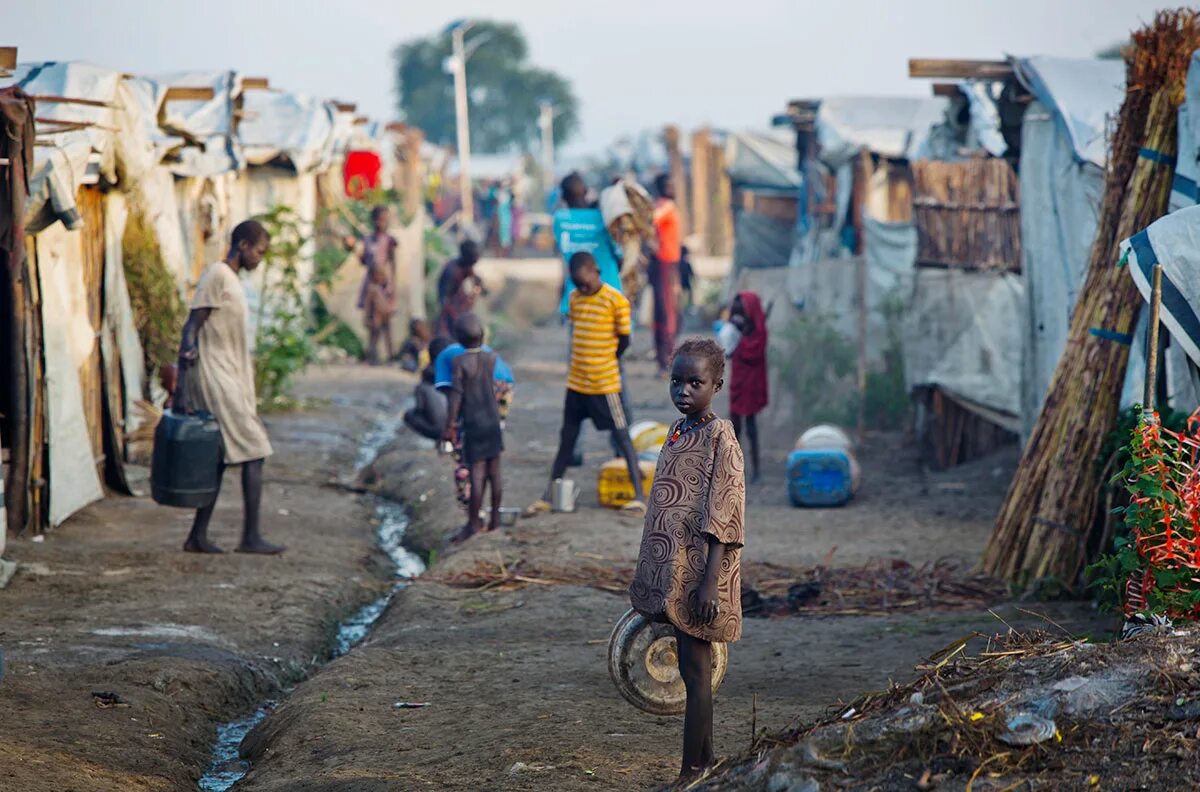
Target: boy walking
<point>600,328</point>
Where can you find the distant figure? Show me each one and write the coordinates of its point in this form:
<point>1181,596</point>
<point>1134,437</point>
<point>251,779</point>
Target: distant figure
<point>600,328</point>
<point>414,352</point>
<point>378,308</point>
<point>580,227</point>
<point>689,566</point>
<point>504,219</point>
<point>664,271</point>
<point>215,357</point>
<point>378,249</point>
<point>459,287</point>
<point>427,416</point>
<point>687,277</point>
<point>474,420</point>
<point>748,378</point>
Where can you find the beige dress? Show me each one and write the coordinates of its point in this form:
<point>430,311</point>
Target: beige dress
<point>699,490</point>
<point>224,373</point>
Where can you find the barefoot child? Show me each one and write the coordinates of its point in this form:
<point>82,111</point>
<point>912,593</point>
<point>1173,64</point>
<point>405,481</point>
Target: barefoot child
<point>748,378</point>
<point>689,566</point>
<point>473,399</point>
<point>378,310</point>
<point>600,328</point>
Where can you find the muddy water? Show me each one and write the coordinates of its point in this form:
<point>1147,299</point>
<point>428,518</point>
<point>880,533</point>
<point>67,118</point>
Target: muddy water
<point>227,767</point>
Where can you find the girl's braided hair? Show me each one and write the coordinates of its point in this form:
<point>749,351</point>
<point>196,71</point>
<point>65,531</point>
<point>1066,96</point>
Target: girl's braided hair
<point>704,348</point>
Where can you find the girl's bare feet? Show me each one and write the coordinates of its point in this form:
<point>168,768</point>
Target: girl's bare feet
<point>194,545</point>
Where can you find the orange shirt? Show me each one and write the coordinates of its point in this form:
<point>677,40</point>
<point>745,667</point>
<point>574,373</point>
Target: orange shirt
<point>670,233</point>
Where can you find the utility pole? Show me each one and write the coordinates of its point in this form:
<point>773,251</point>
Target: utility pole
<point>546,124</point>
<point>462,123</point>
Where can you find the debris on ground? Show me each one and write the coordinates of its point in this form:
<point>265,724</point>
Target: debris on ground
<point>772,589</point>
<point>876,587</point>
<point>1024,711</point>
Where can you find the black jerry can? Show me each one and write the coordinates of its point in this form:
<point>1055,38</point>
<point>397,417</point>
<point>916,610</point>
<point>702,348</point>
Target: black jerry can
<point>186,467</point>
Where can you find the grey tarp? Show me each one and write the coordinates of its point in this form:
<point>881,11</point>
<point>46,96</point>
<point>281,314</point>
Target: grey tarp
<point>962,335</point>
<point>1062,181</point>
<point>296,128</point>
<point>897,127</point>
<point>763,159</point>
<point>1184,191</point>
<point>207,124</point>
<point>828,289</point>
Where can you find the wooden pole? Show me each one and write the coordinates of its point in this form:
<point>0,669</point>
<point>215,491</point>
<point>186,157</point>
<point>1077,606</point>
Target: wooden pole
<point>861,176</point>
<point>700,196</point>
<point>1152,342</point>
<point>678,177</point>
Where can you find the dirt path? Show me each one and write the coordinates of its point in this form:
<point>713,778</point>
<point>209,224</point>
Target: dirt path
<point>516,681</point>
<point>109,603</point>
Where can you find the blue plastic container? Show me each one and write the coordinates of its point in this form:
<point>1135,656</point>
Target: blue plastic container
<point>819,477</point>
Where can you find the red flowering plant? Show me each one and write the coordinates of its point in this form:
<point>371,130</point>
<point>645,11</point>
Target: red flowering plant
<point>1155,568</point>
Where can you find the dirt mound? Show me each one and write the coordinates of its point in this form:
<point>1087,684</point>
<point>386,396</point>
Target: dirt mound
<point>1024,712</point>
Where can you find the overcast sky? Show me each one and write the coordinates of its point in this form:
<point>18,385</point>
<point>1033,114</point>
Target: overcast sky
<point>633,63</point>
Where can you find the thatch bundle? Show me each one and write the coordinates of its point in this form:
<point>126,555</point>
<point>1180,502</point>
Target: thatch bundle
<point>1043,528</point>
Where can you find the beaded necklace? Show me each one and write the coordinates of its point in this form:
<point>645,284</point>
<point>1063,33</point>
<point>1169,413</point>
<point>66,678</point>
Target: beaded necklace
<point>681,429</point>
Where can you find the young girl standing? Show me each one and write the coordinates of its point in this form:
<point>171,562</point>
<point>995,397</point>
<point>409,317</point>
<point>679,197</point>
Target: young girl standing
<point>748,378</point>
<point>689,565</point>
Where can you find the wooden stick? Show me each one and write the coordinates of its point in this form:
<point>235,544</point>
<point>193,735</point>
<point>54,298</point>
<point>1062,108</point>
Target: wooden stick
<point>43,98</point>
<point>8,58</point>
<point>947,68</point>
<point>181,93</point>
<point>1152,342</point>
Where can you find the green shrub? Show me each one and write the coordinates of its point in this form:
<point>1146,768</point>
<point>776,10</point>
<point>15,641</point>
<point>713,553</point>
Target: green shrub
<point>158,310</point>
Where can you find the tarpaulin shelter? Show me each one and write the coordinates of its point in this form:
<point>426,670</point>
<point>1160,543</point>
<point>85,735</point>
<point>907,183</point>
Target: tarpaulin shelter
<point>1063,151</point>
<point>81,366</point>
<point>193,153</point>
<point>765,179</point>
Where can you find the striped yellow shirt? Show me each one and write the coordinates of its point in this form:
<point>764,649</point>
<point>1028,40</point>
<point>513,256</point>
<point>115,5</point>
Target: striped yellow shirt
<point>596,321</point>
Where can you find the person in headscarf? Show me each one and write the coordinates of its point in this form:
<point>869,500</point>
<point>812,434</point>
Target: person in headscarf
<point>748,377</point>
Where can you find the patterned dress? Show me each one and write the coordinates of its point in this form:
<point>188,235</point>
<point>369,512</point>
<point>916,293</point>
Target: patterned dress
<point>699,490</point>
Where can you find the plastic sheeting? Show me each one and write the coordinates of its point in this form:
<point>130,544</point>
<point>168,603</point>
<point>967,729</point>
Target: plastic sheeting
<point>1082,92</point>
<point>1060,196</point>
<point>963,335</point>
<point>829,288</point>
<point>898,127</point>
<point>120,330</point>
<point>68,340</point>
<point>206,124</point>
<point>763,159</point>
<point>1173,242</point>
<point>1062,182</point>
<point>760,240</point>
<point>294,127</point>
<point>1185,190</point>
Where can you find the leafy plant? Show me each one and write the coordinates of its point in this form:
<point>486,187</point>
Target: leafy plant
<point>816,364</point>
<point>887,402</point>
<point>282,346</point>
<point>1155,568</point>
<point>158,310</point>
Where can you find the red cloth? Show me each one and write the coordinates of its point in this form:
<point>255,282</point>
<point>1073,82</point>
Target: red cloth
<point>748,378</point>
<point>361,172</point>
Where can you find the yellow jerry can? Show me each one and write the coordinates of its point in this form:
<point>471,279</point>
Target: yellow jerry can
<point>614,486</point>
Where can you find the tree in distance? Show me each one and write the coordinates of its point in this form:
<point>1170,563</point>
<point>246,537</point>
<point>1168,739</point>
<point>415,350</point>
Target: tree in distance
<point>504,90</point>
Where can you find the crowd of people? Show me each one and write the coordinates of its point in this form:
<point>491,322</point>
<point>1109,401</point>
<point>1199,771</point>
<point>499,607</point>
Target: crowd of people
<point>687,572</point>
